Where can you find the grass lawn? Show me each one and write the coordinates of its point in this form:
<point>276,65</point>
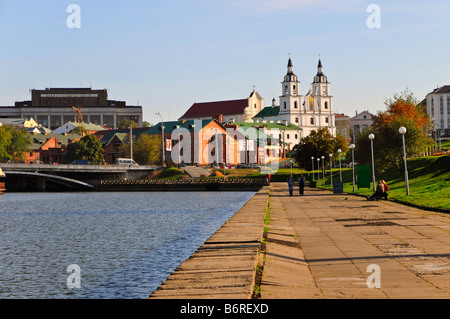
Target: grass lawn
<point>171,173</point>
<point>429,182</point>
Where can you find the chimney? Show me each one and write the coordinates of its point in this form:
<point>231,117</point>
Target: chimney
<point>218,118</point>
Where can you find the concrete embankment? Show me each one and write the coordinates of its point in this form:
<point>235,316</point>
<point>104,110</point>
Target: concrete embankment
<point>225,265</point>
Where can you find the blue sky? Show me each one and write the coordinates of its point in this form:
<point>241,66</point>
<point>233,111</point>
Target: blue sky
<point>169,54</point>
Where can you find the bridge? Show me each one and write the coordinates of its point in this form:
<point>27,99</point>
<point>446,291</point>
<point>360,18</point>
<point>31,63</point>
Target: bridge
<point>60,177</point>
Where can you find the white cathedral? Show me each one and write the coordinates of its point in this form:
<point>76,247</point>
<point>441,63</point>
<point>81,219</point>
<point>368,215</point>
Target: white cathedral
<point>310,112</point>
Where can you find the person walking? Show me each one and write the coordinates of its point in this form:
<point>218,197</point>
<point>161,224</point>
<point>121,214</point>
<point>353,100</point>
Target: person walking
<point>290,182</point>
<point>301,184</point>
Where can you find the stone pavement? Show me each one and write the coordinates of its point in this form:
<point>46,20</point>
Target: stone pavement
<point>320,245</point>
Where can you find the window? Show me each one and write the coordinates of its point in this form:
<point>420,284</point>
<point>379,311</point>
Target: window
<point>294,88</point>
<point>284,105</point>
<point>295,105</point>
<point>326,105</point>
<point>286,89</point>
<point>296,136</point>
<point>287,136</point>
<point>311,121</point>
<point>255,105</point>
<point>326,120</point>
<point>296,120</point>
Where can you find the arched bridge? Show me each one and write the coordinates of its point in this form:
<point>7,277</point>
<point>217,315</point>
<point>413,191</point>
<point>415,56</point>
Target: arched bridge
<point>47,177</point>
<point>32,181</point>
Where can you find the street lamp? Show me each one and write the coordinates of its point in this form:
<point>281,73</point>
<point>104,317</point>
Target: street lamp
<point>331,169</point>
<point>402,131</point>
<point>352,147</point>
<point>312,165</point>
<point>162,138</point>
<point>371,137</point>
<point>340,167</point>
<point>323,169</point>
<point>318,170</point>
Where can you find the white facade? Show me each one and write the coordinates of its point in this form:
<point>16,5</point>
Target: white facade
<point>310,112</point>
<point>359,122</point>
<point>438,108</point>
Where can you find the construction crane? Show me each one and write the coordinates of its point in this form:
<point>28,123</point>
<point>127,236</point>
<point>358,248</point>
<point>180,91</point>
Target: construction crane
<point>80,116</point>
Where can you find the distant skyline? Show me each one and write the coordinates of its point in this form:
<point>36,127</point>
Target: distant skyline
<point>170,54</point>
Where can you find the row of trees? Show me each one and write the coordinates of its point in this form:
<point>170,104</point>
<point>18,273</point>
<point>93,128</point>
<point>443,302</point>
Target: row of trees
<point>401,110</point>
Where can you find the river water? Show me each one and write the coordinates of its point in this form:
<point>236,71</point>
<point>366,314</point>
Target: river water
<point>124,244</point>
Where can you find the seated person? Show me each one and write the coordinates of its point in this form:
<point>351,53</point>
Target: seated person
<point>380,192</point>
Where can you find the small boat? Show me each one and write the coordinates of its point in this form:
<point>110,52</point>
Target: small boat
<point>2,181</point>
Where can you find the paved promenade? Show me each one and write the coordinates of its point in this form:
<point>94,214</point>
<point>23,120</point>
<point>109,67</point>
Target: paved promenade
<point>319,246</point>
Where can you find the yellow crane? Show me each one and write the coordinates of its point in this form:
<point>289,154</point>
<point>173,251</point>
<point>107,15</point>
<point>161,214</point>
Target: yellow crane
<point>80,116</point>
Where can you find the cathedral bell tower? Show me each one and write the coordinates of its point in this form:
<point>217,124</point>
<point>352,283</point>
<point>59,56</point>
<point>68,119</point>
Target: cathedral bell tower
<point>290,98</point>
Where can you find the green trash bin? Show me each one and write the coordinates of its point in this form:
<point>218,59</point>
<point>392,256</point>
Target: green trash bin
<point>312,184</point>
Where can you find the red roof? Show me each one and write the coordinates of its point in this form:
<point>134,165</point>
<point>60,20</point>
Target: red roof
<point>211,109</point>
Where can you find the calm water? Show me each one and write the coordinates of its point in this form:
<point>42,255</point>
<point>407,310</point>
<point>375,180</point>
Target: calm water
<point>125,244</point>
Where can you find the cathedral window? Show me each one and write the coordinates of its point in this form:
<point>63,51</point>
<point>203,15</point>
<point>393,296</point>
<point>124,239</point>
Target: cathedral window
<point>326,105</point>
<point>295,105</point>
<point>312,120</point>
<point>286,89</point>
<point>294,89</point>
<point>326,120</point>
<point>296,120</point>
<point>285,105</point>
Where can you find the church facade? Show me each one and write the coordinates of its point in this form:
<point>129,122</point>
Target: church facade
<point>310,112</point>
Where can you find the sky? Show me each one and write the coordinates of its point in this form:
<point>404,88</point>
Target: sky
<point>167,55</point>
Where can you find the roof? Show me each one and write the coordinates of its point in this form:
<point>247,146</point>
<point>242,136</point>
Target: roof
<point>170,126</point>
<point>442,90</point>
<point>268,111</point>
<point>211,109</point>
<point>87,126</point>
<point>279,126</point>
<point>37,140</point>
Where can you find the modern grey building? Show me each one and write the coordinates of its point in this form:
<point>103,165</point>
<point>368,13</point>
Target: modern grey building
<point>53,107</point>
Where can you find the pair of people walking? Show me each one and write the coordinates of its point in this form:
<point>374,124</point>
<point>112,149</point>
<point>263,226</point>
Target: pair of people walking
<point>301,183</point>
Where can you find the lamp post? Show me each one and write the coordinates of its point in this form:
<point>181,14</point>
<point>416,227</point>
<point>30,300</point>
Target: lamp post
<point>312,166</point>
<point>352,147</point>
<point>371,137</point>
<point>402,131</point>
<point>162,140</point>
<point>131,140</point>
<point>331,168</point>
<point>323,169</point>
<point>318,170</point>
<point>340,167</point>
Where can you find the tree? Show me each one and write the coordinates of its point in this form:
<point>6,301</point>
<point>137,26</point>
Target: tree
<point>14,143</point>
<point>88,148</point>
<point>125,123</point>
<point>402,106</point>
<point>404,111</point>
<point>146,149</point>
<point>317,144</point>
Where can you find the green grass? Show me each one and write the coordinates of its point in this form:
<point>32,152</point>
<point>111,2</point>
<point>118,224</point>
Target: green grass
<point>171,173</point>
<point>429,182</point>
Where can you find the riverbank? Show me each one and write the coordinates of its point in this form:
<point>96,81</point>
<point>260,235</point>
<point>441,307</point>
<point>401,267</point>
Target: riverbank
<point>319,246</point>
<point>224,266</point>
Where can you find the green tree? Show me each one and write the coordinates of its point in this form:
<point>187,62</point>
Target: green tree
<point>125,123</point>
<point>14,143</point>
<point>317,144</point>
<point>146,149</point>
<point>88,148</point>
<point>402,110</point>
